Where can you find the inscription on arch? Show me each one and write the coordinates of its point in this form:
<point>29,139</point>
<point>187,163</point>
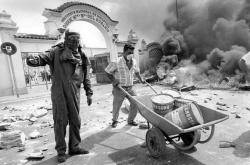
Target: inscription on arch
<point>84,14</point>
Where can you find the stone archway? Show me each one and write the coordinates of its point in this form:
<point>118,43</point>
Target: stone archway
<point>65,14</point>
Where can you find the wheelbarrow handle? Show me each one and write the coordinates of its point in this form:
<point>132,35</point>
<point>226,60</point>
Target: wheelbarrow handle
<point>151,87</point>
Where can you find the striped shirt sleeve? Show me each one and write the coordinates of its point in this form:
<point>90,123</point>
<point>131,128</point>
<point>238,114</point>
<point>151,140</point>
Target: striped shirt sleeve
<point>111,68</point>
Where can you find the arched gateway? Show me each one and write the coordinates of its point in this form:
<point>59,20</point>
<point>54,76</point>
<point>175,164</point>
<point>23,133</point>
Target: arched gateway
<point>65,14</point>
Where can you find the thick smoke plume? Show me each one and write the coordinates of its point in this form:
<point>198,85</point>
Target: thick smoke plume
<point>210,24</point>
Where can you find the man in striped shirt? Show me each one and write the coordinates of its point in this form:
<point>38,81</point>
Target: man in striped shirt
<point>122,73</point>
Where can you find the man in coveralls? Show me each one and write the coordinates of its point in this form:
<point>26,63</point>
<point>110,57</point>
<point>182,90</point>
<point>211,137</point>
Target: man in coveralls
<point>69,68</point>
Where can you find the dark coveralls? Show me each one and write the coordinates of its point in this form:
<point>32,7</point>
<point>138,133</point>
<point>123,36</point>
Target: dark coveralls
<point>65,95</point>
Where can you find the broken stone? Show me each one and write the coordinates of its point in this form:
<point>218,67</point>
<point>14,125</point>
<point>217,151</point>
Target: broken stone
<point>33,119</point>
<point>21,149</point>
<point>248,108</point>
<point>205,101</point>
<point>8,119</point>
<point>226,144</point>
<point>44,149</point>
<point>237,116</point>
<point>5,108</point>
<point>188,88</point>
<point>143,126</point>
<point>233,112</point>
<point>35,134</point>
<point>9,139</point>
<point>4,126</point>
<point>23,161</point>
<point>39,113</point>
<point>221,104</point>
<point>35,156</point>
<point>221,109</point>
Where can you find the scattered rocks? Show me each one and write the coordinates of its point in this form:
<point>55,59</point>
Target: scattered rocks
<point>39,113</point>
<point>9,139</point>
<point>33,119</point>
<point>221,108</point>
<point>221,104</point>
<point>35,134</point>
<point>143,126</point>
<point>35,156</point>
<point>226,144</point>
<point>4,126</point>
<point>21,149</point>
<point>8,119</point>
<point>237,116</point>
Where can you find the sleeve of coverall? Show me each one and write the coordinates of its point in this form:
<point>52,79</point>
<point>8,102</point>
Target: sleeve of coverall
<point>42,59</point>
<point>86,80</point>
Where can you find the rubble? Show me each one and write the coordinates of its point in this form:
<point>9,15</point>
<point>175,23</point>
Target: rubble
<point>35,156</point>
<point>4,126</point>
<point>221,108</point>
<point>35,134</point>
<point>187,88</point>
<point>33,119</point>
<point>226,144</point>
<point>221,104</point>
<point>143,126</point>
<point>39,113</point>
<point>9,139</point>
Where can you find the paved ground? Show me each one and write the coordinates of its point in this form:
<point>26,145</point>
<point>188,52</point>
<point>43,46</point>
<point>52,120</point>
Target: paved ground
<point>122,145</point>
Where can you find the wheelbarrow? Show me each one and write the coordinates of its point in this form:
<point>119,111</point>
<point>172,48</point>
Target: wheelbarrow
<point>164,131</point>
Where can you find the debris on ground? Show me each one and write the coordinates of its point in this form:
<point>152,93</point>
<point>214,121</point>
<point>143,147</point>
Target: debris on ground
<point>21,149</point>
<point>33,119</point>
<point>188,88</point>
<point>226,144</point>
<point>9,139</point>
<point>143,126</point>
<point>221,104</point>
<point>221,108</point>
<point>237,116</point>
<point>35,156</point>
<point>8,119</point>
<point>35,134</point>
<point>4,126</point>
<point>39,113</point>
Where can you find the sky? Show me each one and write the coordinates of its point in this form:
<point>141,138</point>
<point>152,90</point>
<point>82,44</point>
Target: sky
<point>145,17</point>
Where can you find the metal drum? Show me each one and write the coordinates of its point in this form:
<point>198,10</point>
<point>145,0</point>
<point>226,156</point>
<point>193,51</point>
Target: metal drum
<point>173,93</point>
<point>181,102</point>
<point>162,104</point>
<point>186,116</point>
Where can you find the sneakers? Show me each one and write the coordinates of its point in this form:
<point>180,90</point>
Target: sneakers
<point>78,151</point>
<point>114,124</point>
<point>133,123</point>
<point>61,158</point>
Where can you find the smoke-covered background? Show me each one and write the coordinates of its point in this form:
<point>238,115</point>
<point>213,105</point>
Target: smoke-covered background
<point>210,24</point>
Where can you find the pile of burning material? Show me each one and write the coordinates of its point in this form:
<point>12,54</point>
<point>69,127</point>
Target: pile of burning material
<point>209,38</point>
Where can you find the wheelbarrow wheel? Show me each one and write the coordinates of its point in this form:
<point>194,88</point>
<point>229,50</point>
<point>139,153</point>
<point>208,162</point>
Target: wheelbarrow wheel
<point>206,134</point>
<point>155,142</point>
<point>189,140</point>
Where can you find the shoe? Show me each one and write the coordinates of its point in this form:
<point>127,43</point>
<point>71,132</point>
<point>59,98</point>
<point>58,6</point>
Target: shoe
<point>133,123</point>
<point>114,124</point>
<point>61,158</point>
<point>78,151</point>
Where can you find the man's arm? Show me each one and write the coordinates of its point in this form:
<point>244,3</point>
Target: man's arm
<point>111,68</point>
<point>41,59</point>
<point>138,75</point>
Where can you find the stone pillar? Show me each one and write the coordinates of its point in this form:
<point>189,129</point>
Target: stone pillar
<point>8,29</point>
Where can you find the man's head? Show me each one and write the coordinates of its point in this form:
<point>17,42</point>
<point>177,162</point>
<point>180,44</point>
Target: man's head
<point>72,39</point>
<point>128,51</point>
